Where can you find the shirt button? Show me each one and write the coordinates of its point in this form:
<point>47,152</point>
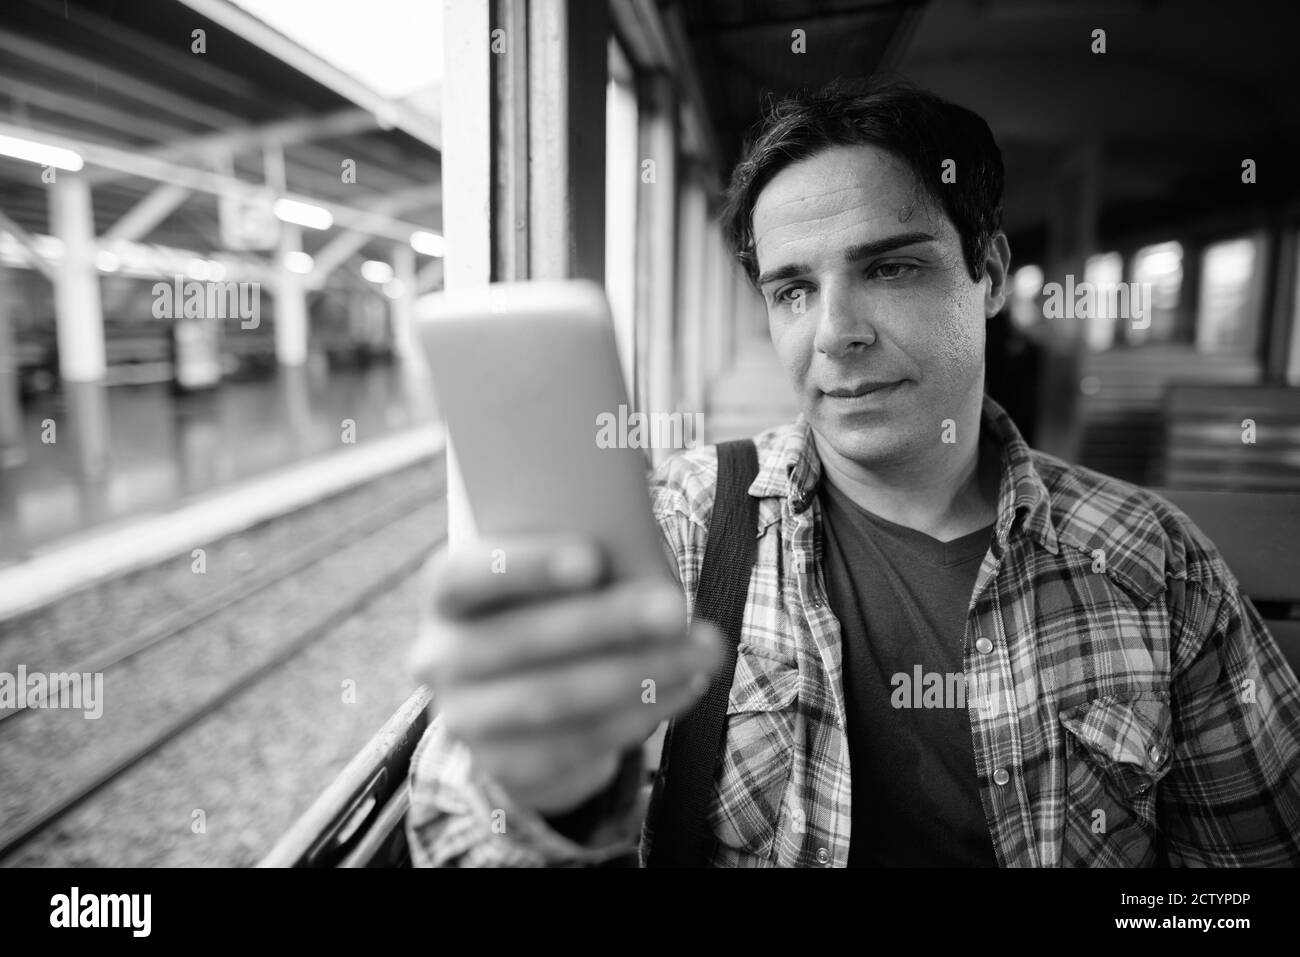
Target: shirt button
<point>823,855</point>
<point>983,646</point>
<point>1156,754</point>
<point>1001,777</point>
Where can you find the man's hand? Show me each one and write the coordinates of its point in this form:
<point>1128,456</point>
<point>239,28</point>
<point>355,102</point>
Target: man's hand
<point>544,670</point>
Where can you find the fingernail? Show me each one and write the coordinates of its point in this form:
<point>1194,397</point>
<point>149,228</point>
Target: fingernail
<point>574,565</point>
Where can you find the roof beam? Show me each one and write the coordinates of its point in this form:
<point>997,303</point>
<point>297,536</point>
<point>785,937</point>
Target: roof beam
<point>340,248</point>
<point>334,254</point>
<point>150,96</point>
<point>64,104</point>
<point>153,98</point>
<point>243,24</point>
<point>27,242</point>
<point>173,56</point>
<point>290,132</point>
<point>148,213</point>
<point>217,183</point>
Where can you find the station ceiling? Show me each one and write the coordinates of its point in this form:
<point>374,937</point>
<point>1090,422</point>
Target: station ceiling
<point>1183,93</point>
<point>122,73</point>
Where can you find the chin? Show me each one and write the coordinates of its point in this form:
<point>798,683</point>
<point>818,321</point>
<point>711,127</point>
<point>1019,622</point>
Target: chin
<point>864,442</point>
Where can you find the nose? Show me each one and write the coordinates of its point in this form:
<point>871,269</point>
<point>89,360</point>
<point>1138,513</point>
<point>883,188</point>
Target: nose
<point>844,324</point>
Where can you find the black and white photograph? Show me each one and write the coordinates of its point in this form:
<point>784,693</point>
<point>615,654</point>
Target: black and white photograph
<point>643,434</point>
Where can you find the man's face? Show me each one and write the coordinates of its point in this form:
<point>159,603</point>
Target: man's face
<point>865,286</point>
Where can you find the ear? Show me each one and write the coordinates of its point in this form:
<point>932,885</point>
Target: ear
<point>997,269</point>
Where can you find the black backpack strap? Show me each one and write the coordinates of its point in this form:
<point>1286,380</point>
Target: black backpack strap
<point>677,817</point>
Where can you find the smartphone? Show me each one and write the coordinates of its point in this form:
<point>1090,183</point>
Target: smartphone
<point>526,374</point>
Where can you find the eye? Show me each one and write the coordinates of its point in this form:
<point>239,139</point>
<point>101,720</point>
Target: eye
<point>892,270</point>
<point>789,294</point>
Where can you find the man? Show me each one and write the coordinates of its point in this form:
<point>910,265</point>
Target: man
<point>957,651</point>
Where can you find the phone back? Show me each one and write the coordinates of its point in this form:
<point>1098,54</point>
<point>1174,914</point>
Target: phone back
<point>524,374</point>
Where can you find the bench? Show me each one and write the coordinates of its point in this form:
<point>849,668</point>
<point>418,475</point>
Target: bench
<point>1203,438</point>
<point>359,820</point>
<point>1258,535</point>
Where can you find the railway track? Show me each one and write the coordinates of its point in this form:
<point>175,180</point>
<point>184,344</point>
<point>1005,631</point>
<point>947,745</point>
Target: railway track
<point>247,585</point>
<point>421,509</point>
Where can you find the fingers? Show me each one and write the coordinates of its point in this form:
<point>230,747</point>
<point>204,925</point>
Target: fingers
<point>548,671</point>
<point>526,767</point>
<point>622,616</point>
<point>480,579</point>
<point>580,693</point>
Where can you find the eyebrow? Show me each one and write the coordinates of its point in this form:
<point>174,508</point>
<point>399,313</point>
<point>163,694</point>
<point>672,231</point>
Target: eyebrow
<point>851,255</point>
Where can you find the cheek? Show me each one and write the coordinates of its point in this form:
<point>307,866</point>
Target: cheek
<point>956,338</point>
<point>793,342</point>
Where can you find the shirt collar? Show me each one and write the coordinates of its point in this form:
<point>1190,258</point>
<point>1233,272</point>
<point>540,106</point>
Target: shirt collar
<point>795,469</point>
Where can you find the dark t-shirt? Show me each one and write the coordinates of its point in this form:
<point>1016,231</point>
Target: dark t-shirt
<point>901,598</point>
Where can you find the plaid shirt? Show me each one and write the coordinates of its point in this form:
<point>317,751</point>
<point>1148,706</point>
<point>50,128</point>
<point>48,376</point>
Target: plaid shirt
<point>1133,710</point>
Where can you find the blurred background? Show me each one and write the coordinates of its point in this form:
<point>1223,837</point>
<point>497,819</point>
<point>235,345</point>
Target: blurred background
<point>220,460</point>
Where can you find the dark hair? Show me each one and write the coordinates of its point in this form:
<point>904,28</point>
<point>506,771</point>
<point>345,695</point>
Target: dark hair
<point>914,125</point>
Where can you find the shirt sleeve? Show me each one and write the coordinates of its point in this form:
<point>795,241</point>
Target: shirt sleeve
<point>1232,795</point>
<point>460,817</point>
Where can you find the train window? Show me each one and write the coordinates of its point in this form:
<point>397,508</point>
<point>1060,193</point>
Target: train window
<point>1104,271</point>
<point>1227,320</point>
<point>1026,284</point>
<point>1158,274</point>
<point>622,170</point>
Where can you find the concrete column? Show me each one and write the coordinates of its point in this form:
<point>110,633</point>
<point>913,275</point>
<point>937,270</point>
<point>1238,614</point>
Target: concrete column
<point>87,422</point>
<point>290,302</point>
<point>78,313</point>
<point>403,307</point>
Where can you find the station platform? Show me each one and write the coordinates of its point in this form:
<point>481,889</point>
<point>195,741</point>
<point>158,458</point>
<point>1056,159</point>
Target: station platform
<point>135,474</point>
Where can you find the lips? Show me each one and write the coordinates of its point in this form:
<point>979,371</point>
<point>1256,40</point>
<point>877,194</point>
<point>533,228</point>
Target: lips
<point>859,389</point>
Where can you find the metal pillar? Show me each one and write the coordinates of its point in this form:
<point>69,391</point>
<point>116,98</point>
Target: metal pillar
<point>622,174</point>
<point>568,56</point>
<point>721,291</point>
<point>290,302</point>
<point>690,307</point>
<point>1279,304</point>
<point>656,237</point>
<point>12,452</point>
<point>1072,236</point>
<point>78,313</point>
<point>467,113</point>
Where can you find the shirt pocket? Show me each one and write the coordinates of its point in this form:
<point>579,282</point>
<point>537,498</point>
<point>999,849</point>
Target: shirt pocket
<point>757,754</point>
<point>1118,749</point>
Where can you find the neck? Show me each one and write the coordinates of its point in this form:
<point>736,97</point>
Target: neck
<point>945,490</point>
